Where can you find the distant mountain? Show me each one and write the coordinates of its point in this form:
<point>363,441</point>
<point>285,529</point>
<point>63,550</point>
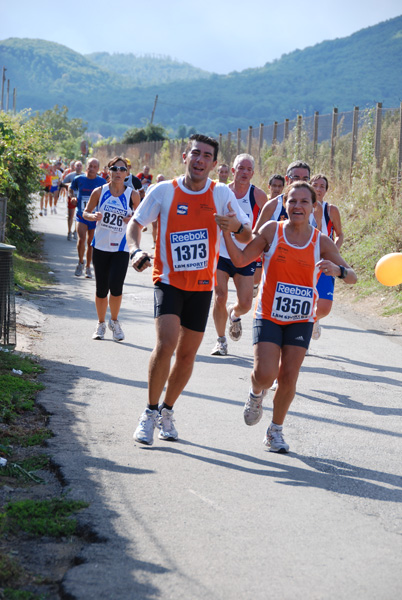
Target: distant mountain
<point>361,69</point>
<point>146,70</point>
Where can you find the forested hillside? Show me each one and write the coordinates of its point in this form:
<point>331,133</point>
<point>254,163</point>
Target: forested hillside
<point>146,70</point>
<point>361,69</point>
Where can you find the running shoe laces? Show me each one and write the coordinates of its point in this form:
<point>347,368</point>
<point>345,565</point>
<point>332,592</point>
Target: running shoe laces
<point>165,423</point>
<point>275,441</point>
<point>252,412</point>
<point>221,347</point>
<point>118,334</point>
<point>145,429</point>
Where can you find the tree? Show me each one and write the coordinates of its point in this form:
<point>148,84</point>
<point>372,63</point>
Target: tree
<point>150,133</point>
<point>23,145</point>
<point>66,134</point>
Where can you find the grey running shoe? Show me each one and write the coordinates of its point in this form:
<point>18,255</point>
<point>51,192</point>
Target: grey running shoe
<point>100,331</point>
<point>235,328</point>
<point>75,235</point>
<point>55,211</point>
<point>69,236</point>
<point>252,412</point>
<point>165,423</point>
<point>316,330</point>
<point>275,441</point>
<point>88,273</point>
<point>118,334</point>
<point>45,212</point>
<point>221,347</point>
<point>145,430</point>
<point>79,269</point>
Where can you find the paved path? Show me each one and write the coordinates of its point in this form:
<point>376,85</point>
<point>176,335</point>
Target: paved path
<point>215,516</point>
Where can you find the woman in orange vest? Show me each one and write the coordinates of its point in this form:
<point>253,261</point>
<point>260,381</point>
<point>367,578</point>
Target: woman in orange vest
<point>295,254</point>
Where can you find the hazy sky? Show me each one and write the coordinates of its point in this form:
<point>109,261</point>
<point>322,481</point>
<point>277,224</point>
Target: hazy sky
<point>220,36</point>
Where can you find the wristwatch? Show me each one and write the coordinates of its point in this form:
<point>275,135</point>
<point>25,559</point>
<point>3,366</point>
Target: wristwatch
<point>344,272</point>
<point>240,229</point>
<point>134,252</point>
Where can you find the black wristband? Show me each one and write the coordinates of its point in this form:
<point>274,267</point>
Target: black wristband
<point>240,229</point>
<point>344,272</point>
<point>134,252</point>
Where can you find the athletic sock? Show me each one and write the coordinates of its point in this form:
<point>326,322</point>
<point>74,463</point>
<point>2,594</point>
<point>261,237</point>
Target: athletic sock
<point>152,406</point>
<point>164,405</point>
<point>234,319</point>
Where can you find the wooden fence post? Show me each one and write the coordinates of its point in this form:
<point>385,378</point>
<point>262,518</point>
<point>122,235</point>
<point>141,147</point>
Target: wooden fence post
<point>239,141</point>
<point>229,155</point>
<point>400,146</point>
<point>354,139</point>
<point>286,130</point>
<point>275,135</point>
<point>333,136</point>
<point>298,134</point>
<point>249,139</point>
<point>377,135</point>
<point>260,142</point>
<point>315,136</point>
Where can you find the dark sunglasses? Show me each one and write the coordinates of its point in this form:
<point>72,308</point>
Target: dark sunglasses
<point>114,169</point>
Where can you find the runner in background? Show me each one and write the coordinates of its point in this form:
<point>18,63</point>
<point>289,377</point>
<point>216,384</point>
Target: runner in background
<point>80,191</point>
<point>328,220</point>
<point>250,199</point>
<point>133,181</point>
<point>72,202</point>
<point>275,188</point>
<point>223,173</point>
<point>111,207</point>
<point>46,183</point>
<point>145,177</point>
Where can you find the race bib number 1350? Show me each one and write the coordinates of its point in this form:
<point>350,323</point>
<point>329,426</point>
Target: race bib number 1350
<point>292,302</point>
<point>190,250</point>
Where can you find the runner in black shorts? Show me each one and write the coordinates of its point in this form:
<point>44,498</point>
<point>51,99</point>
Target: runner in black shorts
<point>191,307</point>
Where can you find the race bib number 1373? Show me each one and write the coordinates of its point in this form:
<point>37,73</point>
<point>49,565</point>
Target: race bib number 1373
<point>190,250</point>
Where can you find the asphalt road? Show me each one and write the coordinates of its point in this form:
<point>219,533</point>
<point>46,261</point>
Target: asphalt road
<point>215,515</point>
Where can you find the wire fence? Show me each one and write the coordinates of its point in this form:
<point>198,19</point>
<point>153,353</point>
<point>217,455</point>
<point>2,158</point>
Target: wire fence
<point>332,141</point>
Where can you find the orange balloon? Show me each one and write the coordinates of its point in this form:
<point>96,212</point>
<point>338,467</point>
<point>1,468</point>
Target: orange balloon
<point>388,270</point>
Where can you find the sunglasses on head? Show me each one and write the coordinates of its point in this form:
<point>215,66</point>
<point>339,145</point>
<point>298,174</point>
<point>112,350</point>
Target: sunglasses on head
<point>114,168</point>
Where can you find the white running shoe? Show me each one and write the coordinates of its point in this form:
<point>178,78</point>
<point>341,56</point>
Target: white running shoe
<point>88,273</point>
<point>118,334</point>
<point>252,412</point>
<point>235,328</point>
<point>221,347</point>
<point>274,440</point>
<point>316,330</point>
<point>45,212</point>
<point>100,331</point>
<point>274,386</point>
<point>55,211</point>
<point>79,269</point>
<point>146,426</point>
<point>165,423</point>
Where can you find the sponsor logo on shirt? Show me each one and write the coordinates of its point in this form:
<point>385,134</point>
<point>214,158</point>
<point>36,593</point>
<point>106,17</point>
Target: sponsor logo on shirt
<point>182,209</point>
